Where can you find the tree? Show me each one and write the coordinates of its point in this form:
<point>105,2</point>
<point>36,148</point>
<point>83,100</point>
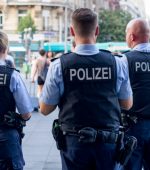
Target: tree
<point>112,25</point>
<point>26,22</point>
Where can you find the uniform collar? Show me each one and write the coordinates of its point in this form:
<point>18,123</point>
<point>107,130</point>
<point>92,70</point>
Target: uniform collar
<point>86,49</point>
<point>2,62</point>
<point>144,47</point>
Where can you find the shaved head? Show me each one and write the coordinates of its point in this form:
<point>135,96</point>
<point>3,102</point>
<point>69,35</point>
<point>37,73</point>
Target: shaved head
<point>139,26</point>
<point>137,31</point>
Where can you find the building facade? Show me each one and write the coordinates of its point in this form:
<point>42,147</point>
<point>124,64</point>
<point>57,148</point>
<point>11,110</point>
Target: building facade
<point>134,7</point>
<point>48,15</point>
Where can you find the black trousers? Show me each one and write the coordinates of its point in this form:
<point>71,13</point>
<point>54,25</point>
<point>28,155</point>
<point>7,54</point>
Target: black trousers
<point>5,164</point>
<point>91,156</point>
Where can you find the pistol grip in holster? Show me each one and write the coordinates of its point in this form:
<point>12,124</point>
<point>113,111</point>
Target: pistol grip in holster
<point>58,135</point>
<point>125,151</point>
<point>14,120</point>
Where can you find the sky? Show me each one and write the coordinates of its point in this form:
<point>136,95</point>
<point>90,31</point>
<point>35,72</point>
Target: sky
<point>147,7</point>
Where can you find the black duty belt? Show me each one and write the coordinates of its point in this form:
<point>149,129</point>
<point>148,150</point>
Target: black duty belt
<point>90,135</point>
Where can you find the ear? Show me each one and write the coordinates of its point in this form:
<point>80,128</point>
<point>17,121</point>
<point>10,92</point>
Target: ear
<point>132,37</point>
<point>72,31</point>
<point>97,31</point>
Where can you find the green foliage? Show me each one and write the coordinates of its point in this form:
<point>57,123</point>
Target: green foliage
<point>112,25</point>
<point>26,22</point>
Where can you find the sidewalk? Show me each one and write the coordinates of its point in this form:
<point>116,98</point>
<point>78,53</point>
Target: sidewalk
<point>39,147</point>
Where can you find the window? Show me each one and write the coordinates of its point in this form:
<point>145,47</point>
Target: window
<point>1,20</point>
<point>21,13</point>
<point>46,15</point>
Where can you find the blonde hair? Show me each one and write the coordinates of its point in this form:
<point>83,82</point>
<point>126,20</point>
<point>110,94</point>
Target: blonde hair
<point>3,42</point>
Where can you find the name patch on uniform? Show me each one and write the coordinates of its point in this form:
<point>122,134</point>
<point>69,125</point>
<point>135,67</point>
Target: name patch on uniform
<point>3,79</point>
<point>142,66</point>
<point>99,73</point>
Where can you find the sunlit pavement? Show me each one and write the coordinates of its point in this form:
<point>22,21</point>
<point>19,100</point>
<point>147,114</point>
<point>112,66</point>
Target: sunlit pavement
<point>39,147</point>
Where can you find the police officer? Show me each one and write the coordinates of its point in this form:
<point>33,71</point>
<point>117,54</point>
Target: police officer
<point>89,86</point>
<point>137,38</point>
<point>13,94</point>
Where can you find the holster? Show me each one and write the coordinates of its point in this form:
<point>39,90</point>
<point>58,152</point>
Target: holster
<point>128,120</point>
<point>14,120</point>
<point>58,135</point>
<point>125,147</point>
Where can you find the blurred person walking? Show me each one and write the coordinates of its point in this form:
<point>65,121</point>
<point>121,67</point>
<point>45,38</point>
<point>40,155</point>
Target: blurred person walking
<point>39,70</point>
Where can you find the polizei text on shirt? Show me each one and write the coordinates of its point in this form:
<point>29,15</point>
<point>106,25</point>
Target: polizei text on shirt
<point>98,73</point>
<point>3,78</point>
<point>142,66</point>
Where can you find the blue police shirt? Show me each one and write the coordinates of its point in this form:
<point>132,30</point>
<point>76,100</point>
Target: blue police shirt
<point>143,47</point>
<point>54,87</point>
<point>21,96</point>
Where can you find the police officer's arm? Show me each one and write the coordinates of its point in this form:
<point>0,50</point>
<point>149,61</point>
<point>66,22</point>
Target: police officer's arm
<point>21,96</point>
<point>52,89</point>
<point>126,104</point>
<point>123,84</point>
<point>46,109</point>
<point>26,116</point>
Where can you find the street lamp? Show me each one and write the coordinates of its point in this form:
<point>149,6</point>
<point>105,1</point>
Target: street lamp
<point>27,40</point>
<point>27,43</point>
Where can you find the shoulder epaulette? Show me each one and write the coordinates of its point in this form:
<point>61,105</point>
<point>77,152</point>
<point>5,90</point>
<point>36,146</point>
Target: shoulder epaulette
<point>104,50</point>
<point>118,55</point>
<point>67,53</point>
<point>126,51</point>
<point>13,68</point>
<point>55,58</point>
<point>17,70</point>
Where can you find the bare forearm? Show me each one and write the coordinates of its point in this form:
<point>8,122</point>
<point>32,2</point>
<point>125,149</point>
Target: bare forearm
<point>46,109</point>
<point>126,103</point>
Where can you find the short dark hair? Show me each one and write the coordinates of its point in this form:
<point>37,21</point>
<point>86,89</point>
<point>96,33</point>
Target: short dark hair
<point>84,21</point>
<point>42,52</point>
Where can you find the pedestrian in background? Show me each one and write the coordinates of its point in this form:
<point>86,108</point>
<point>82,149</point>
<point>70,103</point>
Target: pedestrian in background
<point>89,86</point>
<point>13,94</point>
<point>137,38</point>
<point>39,70</point>
<point>49,55</point>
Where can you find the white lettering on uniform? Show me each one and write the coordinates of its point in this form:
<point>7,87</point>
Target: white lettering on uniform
<point>109,73</point>
<point>3,79</point>
<point>97,73</point>
<point>73,72</point>
<point>97,76</point>
<point>87,74</point>
<point>81,74</point>
<point>137,66</point>
<point>105,73</point>
<point>143,66</point>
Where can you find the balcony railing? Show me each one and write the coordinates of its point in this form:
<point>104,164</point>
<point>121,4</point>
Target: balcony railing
<point>59,3</point>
